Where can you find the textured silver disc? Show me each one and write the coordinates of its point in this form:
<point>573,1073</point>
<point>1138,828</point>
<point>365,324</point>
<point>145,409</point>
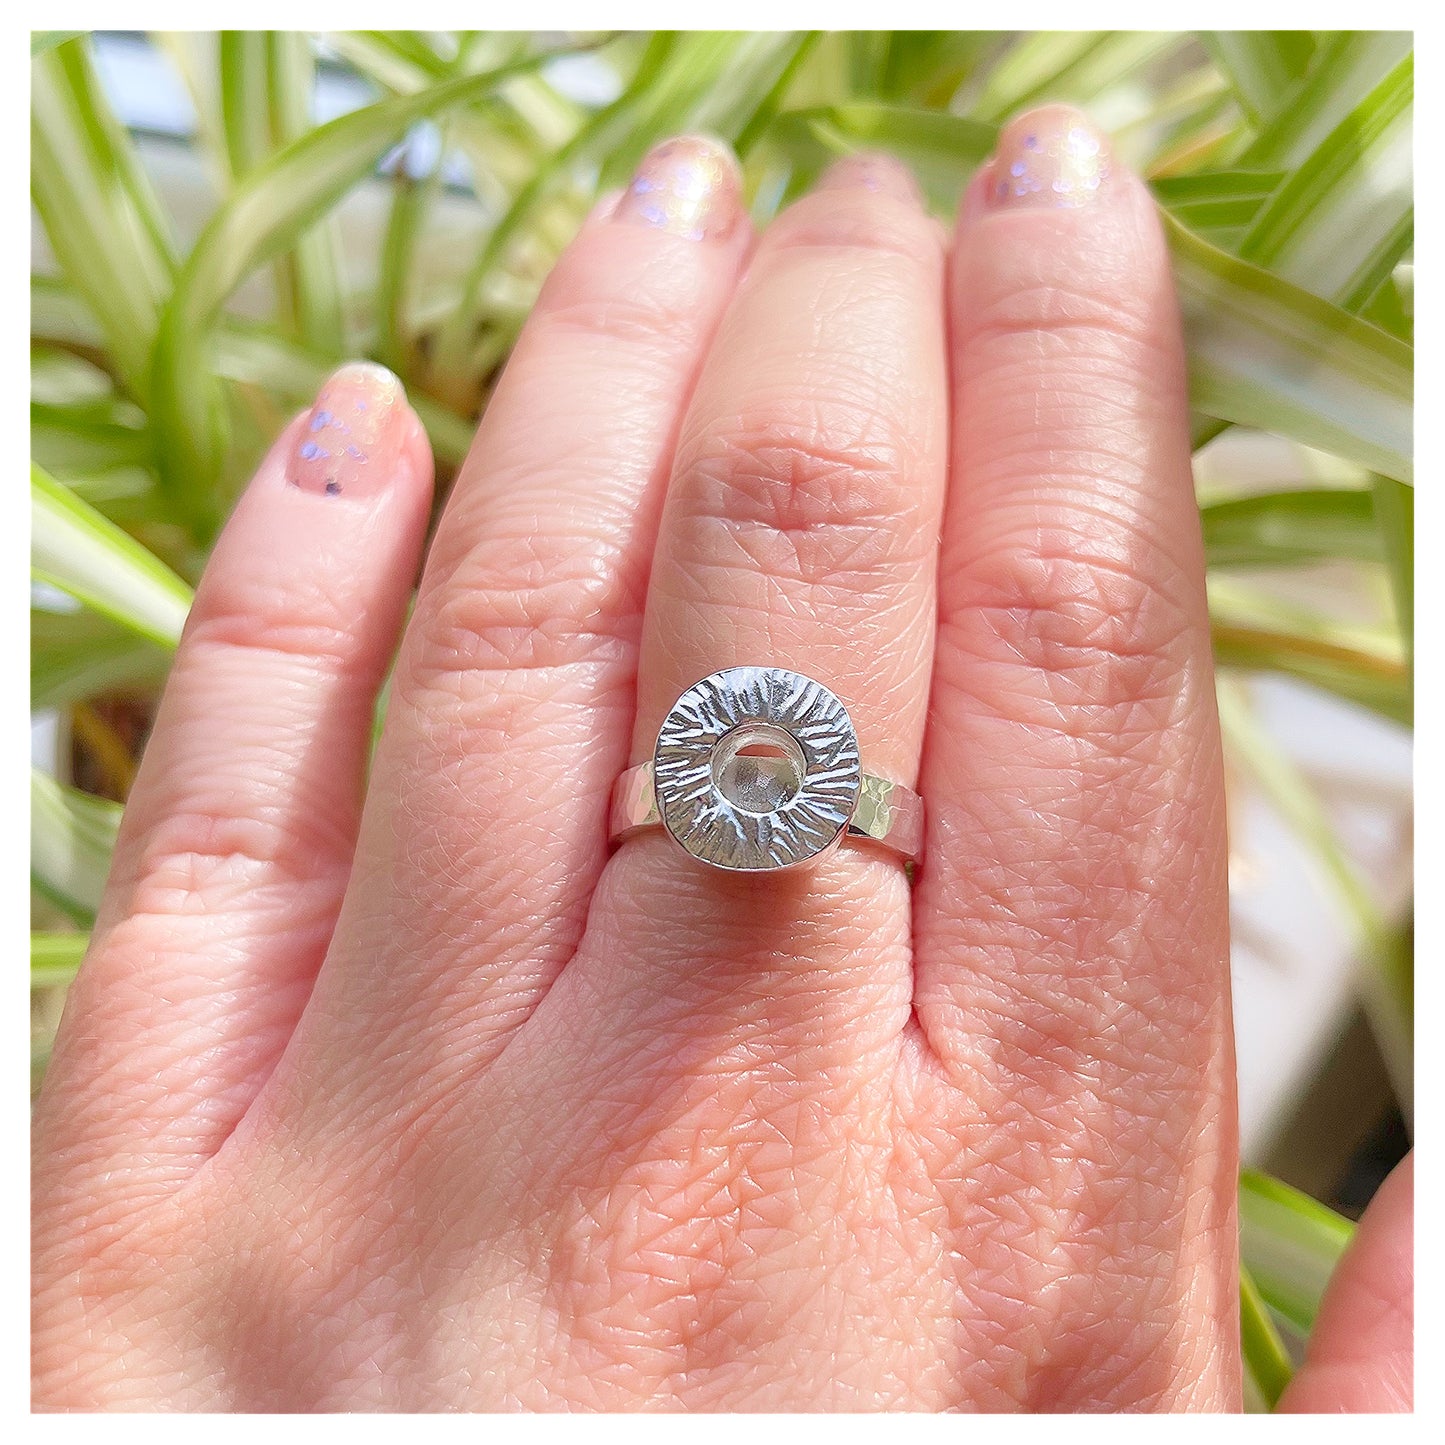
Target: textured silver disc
<point>757,768</point>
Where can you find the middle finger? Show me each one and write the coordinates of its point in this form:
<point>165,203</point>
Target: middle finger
<point>800,530</point>
<point>801,526</point>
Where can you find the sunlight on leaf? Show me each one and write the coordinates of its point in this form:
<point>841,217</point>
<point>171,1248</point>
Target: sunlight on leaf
<point>76,549</point>
<point>1290,1244</point>
<point>55,958</point>
<point>1267,354</point>
<point>72,836</point>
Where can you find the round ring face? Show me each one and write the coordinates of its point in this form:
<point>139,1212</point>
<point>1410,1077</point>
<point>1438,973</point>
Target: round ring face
<point>756,769</point>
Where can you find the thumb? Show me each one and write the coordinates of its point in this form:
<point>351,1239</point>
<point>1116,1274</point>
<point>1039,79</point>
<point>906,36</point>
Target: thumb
<point>1361,1357</point>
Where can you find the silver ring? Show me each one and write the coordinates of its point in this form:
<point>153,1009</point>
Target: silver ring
<point>757,769</point>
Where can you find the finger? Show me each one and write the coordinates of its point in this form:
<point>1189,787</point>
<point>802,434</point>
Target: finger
<point>1361,1356</point>
<point>802,519</point>
<point>237,839</point>
<point>1072,965</point>
<point>800,530</point>
<point>513,694</point>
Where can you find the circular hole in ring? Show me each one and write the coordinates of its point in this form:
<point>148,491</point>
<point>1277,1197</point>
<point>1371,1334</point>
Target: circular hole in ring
<point>758,767</point>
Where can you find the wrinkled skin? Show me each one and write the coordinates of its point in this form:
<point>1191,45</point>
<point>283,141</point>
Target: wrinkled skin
<point>416,1097</point>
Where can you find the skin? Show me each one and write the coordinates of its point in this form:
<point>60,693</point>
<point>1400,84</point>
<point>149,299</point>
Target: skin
<point>414,1096</point>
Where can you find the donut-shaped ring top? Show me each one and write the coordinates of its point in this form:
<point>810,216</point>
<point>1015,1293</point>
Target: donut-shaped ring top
<point>746,815</point>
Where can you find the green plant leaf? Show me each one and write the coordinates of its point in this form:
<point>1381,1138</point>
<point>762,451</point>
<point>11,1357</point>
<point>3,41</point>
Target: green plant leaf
<point>269,209</point>
<point>43,40</point>
<point>76,549</point>
<point>55,958</point>
<point>1272,529</point>
<point>1389,308</point>
<point>1219,205</point>
<point>75,655</point>
<point>311,274</point>
<point>395,276</point>
<point>1192,126</point>
<point>60,317</point>
<point>1267,354</point>
<point>456,336</point>
<point>245,98</point>
<point>72,837</point>
<point>114,151</point>
<point>526,108</point>
<point>1387,981</point>
<point>1256,631</point>
<point>929,67</point>
<point>1358,677</point>
<point>1290,1244</point>
<point>1350,64</point>
<point>866,59</point>
<point>92,433</point>
<point>1110,66</point>
<point>505,136</point>
<point>713,81</point>
<point>99,212</point>
<point>1262,66</point>
<point>1267,1367</point>
<point>382,58</point>
<point>1343,218</point>
<point>771,104</point>
<point>1030,64</point>
<point>194,55</point>
<point>943,150</point>
<point>1075,66</point>
<point>1394,514</point>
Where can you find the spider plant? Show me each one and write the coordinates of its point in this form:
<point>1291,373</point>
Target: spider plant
<point>167,349</point>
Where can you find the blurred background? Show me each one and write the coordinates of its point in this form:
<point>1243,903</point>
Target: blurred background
<point>220,218</point>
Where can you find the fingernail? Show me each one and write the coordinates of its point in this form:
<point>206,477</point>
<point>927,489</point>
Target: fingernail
<point>353,435</point>
<point>1051,157</point>
<point>872,171</point>
<point>690,186</point>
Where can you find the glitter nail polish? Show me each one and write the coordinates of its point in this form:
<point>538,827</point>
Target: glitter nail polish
<point>1048,158</point>
<point>690,186</point>
<point>351,439</point>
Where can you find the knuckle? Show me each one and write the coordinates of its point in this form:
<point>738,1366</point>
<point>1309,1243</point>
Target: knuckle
<point>1091,640</point>
<point>1109,321</point>
<point>810,495</point>
<point>541,602</point>
<point>196,859</point>
<point>304,622</point>
<point>1094,360</point>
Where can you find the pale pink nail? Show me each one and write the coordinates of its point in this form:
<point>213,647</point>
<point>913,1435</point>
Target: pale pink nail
<point>690,186</point>
<point>872,171</point>
<point>1050,157</point>
<point>353,436</point>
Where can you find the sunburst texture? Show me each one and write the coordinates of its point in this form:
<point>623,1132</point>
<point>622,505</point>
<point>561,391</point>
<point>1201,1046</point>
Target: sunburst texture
<point>709,824</point>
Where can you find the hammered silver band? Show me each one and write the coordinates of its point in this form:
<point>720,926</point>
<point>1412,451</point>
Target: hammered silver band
<point>757,769</point>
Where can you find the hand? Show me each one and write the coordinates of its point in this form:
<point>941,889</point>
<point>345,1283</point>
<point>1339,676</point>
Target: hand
<point>433,1104</point>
